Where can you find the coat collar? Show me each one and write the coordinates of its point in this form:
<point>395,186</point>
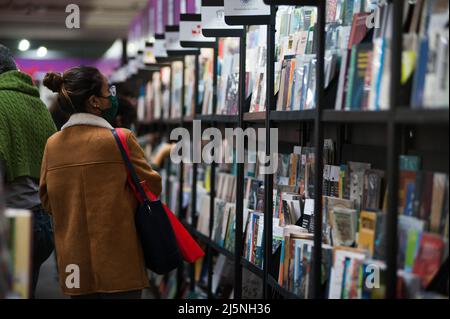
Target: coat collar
<point>86,119</point>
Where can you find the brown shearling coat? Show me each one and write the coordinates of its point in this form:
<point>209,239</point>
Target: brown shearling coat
<point>84,187</point>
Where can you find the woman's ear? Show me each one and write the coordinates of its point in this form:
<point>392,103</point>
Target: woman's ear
<point>93,105</point>
<point>93,101</point>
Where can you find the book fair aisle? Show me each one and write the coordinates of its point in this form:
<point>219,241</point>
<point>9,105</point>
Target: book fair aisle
<point>302,148</point>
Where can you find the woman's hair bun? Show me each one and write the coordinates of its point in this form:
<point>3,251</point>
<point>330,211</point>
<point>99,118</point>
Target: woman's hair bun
<point>53,81</point>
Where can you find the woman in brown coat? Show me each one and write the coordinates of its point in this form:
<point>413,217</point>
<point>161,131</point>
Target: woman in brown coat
<point>84,187</point>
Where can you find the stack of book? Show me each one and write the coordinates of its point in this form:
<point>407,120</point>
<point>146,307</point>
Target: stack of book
<point>355,227</point>
<point>164,93</point>
<point>176,90</point>
<point>295,63</point>
<point>20,251</point>
<point>256,60</point>
<point>228,76</point>
<point>253,210</point>
<point>206,80</point>
<point>189,85</point>
<point>364,79</point>
<point>426,54</point>
<point>5,273</point>
<point>293,218</point>
<point>225,211</point>
<point>154,97</point>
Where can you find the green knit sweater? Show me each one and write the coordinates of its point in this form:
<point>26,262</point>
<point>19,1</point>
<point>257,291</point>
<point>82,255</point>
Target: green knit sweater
<point>25,126</point>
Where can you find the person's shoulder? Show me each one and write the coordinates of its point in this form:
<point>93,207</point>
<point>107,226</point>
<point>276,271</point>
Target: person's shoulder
<point>54,137</point>
<point>128,133</point>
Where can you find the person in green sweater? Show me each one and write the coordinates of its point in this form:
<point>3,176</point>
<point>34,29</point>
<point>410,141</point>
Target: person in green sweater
<point>25,126</point>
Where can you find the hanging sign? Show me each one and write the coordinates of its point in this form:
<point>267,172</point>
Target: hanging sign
<point>309,3</point>
<point>246,12</point>
<point>148,56</point>
<point>213,20</point>
<point>173,45</point>
<point>191,32</point>
<point>159,47</point>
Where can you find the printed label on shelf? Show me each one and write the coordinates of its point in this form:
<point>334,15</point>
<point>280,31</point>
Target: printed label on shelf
<point>246,8</point>
<point>214,18</point>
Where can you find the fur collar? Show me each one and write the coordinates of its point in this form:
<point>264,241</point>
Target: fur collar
<point>87,119</point>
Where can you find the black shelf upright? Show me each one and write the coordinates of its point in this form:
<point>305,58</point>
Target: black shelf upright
<point>239,240</point>
<point>393,151</point>
<point>268,178</point>
<point>318,144</point>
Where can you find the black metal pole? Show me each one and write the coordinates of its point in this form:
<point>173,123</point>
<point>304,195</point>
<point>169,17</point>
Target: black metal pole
<point>268,178</point>
<point>392,154</point>
<point>181,213</point>
<point>318,141</point>
<point>239,240</point>
<point>193,190</point>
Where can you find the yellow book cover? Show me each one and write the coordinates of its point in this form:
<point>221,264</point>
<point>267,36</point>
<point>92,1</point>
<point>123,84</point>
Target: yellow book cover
<point>21,246</point>
<point>367,225</point>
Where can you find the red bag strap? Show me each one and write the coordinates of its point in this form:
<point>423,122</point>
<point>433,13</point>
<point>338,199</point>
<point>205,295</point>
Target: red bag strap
<point>150,195</point>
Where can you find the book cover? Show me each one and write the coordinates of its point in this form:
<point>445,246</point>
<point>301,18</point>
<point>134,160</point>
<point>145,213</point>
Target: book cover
<point>357,170</point>
<point>358,74</point>
<point>426,195</point>
<point>406,178</point>
<point>359,28</point>
<point>328,204</point>
<point>367,229</point>
<point>349,83</point>
<point>20,244</point>
<point>408,227</point>
<point>340,95</point>
<point>437,201</point>
<point>429,257</point>
<point>344,226</point>
<point>373,180</point>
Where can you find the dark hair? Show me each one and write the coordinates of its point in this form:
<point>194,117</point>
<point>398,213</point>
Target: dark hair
<point>126,114</point>
<point>74,87</point>
<point>6,60</point>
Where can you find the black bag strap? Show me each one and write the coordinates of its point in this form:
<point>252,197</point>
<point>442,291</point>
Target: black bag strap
<point>130,168</point>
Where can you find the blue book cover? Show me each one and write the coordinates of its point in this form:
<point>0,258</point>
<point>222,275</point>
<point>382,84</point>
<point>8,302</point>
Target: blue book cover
<point>419,75</point>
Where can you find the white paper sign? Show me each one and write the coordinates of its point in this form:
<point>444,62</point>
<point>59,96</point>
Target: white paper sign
<point>173,41</point>
<point>159,48</point>
<point>192,31</point>
<point>246,8</point>
<point>148,56</point>
<point>214,18</point>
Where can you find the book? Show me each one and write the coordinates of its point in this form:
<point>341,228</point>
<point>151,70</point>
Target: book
<point>359,29</point>
<point>308,214</point>
<point>342,257</point>
<point>328,204</point>
<point>373,188</point>
<point>408,229</point>
<point>21,251</point>
<point>437,202</point>
<point>344,226</point>
<point>203,218</point>
<point>429,257</point>
<point>367,230</point>
<point>358,70</point>
<point>357,171</point>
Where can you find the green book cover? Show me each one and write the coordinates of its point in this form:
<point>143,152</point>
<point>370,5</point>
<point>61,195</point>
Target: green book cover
<point>412,245</point>
<point>351,75</point>
<point>409,163</point>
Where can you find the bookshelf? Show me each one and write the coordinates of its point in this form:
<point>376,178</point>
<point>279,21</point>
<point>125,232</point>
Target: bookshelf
<point>377,137</point>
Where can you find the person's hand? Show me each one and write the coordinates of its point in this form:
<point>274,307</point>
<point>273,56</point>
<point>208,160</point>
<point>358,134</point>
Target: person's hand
<point>163,152</point>
<point>166,149</point>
